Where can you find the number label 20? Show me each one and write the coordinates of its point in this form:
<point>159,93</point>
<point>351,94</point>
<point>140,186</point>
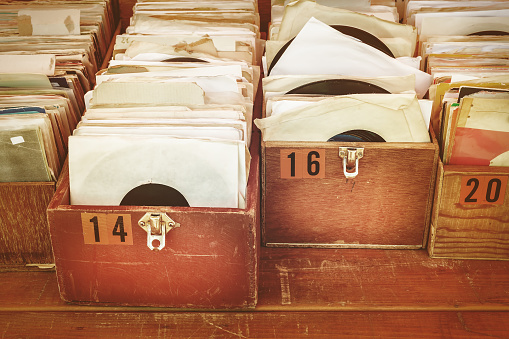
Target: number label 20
<point>107,229</point>
<point>477,190</point>
<point>302,163</point>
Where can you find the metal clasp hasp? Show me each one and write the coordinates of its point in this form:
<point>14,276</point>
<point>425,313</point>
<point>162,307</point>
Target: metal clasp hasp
<point>157,225</point>
<point>351,156</point>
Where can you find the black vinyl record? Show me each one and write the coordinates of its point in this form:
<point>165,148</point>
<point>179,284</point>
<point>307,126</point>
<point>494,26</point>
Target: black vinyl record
<point>357,135</point>
<point>365,37</point>
<point>338,87</point>
<point>184,59</point>
<point>489,33</point>
<point>154,195</point>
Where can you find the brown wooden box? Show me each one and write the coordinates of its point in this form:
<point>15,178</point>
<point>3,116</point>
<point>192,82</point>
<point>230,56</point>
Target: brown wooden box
<point>210,261</point>
<point>388,204</point>
<point>24,233</point>
<point>464,224</point>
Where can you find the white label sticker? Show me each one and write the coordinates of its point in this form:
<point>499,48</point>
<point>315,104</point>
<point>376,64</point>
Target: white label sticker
<point>17,140</point>
<point>52,21</point>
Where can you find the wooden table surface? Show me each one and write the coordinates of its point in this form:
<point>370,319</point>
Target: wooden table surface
<point>302,292</point>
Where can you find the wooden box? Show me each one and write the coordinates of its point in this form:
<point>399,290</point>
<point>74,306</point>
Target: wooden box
<point>387,205</point>
<point>470,218</point>
<point>24,233</point>
<point>209,262</point>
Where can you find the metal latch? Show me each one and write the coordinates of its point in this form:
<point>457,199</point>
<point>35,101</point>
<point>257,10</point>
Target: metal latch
<point>351,156</point>
<point>157,225</point>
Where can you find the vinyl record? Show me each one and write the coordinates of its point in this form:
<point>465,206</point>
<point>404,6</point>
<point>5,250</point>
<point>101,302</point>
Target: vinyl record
<point>393,117</point>
<point>468,90</point>
<point>115,169</point>
<point>357,135</point>
<point>489,33</point>
<point>184,59</point>
<point>365,37</point>
<point>154,195</point>
<point>338,87</point>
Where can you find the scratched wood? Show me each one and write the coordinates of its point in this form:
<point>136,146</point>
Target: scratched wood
<point>394,180</point>
<point>479,231</point>
<point>210,261</point>
<point>254,324</point>
<point>370,279</point>
<point>296,279</point>
<point>24,234</point>
<point>314,292</point>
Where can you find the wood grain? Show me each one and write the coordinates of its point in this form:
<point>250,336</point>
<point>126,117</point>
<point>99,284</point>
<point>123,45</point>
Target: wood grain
<point>294,279</point>
<point>374,280</point>
<point>303,292</point>
<point>126,12</point>
<point>24,234</point>
<point>394,180</point>
<point>152,324</point>
<point>468,231</point>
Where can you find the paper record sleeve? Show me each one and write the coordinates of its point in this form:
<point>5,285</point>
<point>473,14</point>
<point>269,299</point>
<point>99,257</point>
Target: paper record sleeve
<point>103,169</point>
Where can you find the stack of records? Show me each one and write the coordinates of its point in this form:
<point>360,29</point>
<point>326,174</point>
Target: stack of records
<point>49,53</point>
<point>342,74</point>
<point>465,47</point>
<point>169,121</point>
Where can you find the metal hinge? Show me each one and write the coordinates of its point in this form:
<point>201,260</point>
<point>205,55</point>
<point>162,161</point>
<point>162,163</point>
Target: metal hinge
<point>157,225</point>
<point>351,156</point>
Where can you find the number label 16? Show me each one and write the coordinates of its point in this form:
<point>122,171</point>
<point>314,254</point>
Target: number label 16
<point>107,229</point>
<point>477,190</point>
<point>302,163</point>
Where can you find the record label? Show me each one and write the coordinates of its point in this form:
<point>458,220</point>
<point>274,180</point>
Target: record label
<point>302,163</point>
<point>106,229</point>
<point>483,189</point>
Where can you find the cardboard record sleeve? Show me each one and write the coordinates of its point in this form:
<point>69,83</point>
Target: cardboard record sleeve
<point>209,262</point>
<point>307,201</point>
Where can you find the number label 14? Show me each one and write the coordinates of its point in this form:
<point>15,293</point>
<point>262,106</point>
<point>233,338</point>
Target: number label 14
<point>483,189</point>
<point>107,229</point>
<point>302,163</point>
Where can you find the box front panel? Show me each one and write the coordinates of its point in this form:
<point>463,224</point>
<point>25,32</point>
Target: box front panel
<point>208,261</point>
<point>472,214</point>
<point>332,210</point>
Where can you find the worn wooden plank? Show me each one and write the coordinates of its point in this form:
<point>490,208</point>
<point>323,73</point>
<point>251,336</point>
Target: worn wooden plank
<point>293,279</point>
<point>24,234</point>
<point>255,325</point>
<point>353,279</point>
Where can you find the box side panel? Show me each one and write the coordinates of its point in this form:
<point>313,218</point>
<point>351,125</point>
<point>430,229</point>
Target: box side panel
<point>24,234</point>
<point>432,187</point>
<point>476,231</point>
<point>367,210</point>
<point>436,209</point>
